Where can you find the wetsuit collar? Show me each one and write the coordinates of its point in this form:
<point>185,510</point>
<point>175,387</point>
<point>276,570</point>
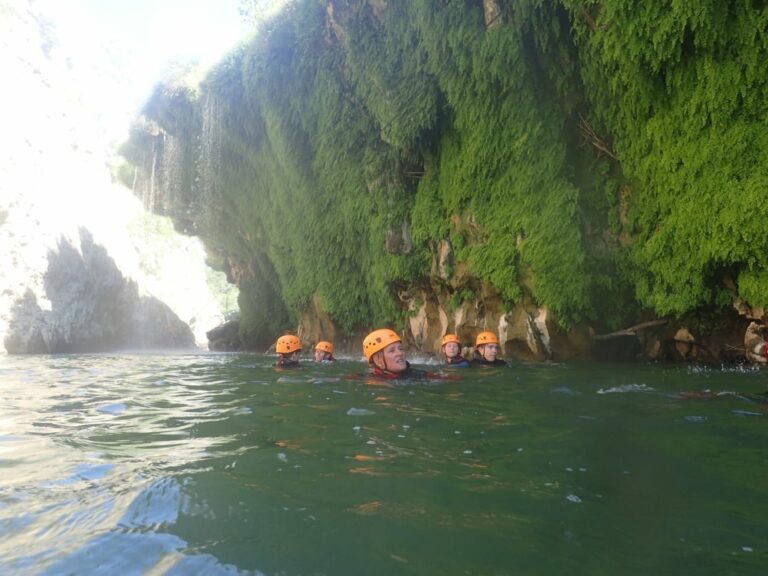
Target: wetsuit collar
<point>388,374</point>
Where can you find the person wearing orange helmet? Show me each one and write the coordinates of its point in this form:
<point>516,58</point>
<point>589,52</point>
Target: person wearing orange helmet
<point>451,347</point>
<point>487,349</point>
<point>324,352</point>
<point>288,347</point>
<point>384,351</point>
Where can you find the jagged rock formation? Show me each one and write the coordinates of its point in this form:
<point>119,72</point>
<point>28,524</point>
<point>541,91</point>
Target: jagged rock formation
<point>91,307</point>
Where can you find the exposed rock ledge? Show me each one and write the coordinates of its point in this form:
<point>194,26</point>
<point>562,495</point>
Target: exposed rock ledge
<point>528,333</point>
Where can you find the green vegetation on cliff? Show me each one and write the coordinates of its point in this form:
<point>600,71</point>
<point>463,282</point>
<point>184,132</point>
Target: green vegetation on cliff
<point>681,86</point>
<point>605,159</point>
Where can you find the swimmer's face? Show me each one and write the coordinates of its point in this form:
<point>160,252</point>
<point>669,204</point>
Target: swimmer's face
<point>291,357</point>
<point>451,349</point>
<point>489,351</point>
<point>392,358</point>
<point>321,355</point>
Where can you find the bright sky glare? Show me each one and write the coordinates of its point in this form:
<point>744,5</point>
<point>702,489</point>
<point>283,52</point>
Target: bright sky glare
<point>121,48</point>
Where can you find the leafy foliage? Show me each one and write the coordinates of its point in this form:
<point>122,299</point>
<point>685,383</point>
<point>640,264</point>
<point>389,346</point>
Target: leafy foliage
<point>681,87</point>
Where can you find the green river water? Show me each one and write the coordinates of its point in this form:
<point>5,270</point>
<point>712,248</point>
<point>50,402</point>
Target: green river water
<point>219,464</point>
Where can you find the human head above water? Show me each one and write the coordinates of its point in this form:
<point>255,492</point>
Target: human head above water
<point>323,351</point>
<point>487,345</point>
<point>451,345</point>
<point>288,345</point>
<point>384,349</point>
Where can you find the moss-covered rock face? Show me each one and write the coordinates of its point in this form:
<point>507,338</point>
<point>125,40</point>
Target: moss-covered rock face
<point>555,165</point>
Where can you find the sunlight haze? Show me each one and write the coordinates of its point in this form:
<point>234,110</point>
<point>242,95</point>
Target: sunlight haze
<point>120,50</point>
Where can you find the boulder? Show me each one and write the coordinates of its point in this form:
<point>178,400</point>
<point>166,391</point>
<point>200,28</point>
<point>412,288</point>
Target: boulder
<point>754,343</point>
<point>225,338</point>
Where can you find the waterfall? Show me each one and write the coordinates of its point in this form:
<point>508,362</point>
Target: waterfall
<point>149,202</point>
<point>57,190</point>
<point>210,152</point>
<point>172,179</point>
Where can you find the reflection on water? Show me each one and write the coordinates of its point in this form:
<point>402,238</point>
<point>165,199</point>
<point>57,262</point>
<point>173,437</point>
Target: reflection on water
<point>218,464</point>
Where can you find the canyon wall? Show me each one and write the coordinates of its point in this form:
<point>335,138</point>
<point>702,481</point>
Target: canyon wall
<point>583,179</point>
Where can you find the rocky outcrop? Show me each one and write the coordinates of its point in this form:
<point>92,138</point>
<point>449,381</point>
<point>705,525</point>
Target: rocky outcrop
<point>225,338</point>
<point>492,13</point>
<point>755,347</point>
<point>90,307</point>
<point>316,325</point>
<point>530,333</point>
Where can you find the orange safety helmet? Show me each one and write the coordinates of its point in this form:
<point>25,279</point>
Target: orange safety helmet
<point>486,338</point>
<point>287,344</point>
<point>450,338</point>
<point>325,346</point>
<point>378,340</point>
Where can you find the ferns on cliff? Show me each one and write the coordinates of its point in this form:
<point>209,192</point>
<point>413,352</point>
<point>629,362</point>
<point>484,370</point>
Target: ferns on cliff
<point>682,89</point>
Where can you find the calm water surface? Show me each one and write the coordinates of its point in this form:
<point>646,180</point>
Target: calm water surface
<point>218,464</point>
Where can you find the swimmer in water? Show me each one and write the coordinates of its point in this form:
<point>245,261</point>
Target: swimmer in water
<point>324,352</point>
<point>451,347</point>
<point>288,348</point>
<point>385,353</point>
<point>486,349</point>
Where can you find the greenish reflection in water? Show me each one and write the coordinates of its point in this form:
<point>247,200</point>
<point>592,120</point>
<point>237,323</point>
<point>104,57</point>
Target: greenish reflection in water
<point>219,464</point>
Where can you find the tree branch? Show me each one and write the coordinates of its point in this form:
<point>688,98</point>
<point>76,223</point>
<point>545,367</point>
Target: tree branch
<point>632,330</point>
<point>589,134</point>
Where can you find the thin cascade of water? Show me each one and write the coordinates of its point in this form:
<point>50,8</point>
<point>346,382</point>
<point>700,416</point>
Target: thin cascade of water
<point>172,166</point>
<point>149,196</point>
<point>135,179</point>
<point>210,151</point>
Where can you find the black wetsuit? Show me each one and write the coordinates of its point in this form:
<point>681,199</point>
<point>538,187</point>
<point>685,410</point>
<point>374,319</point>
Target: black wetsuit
<point>408,374</point>
<point>284,363</point>
<point>480,361</point>
<point>457,362</point>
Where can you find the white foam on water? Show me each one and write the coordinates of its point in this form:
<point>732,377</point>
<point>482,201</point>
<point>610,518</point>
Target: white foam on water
<point>359,412</point>
<point>625,388</point>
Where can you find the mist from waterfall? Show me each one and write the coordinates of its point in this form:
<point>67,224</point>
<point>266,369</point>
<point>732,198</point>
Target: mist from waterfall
<point>55,180</point>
